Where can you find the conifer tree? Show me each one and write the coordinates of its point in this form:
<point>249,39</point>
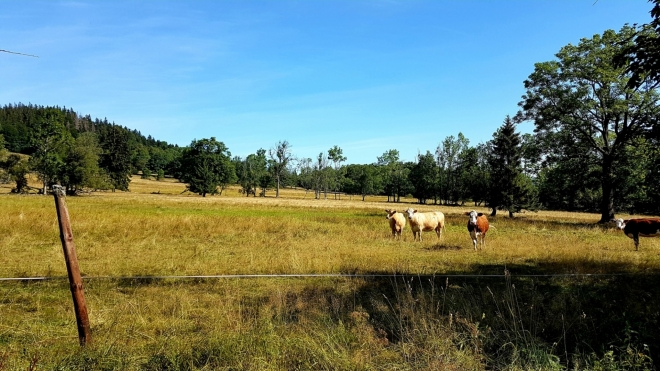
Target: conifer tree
<point>509,188</point>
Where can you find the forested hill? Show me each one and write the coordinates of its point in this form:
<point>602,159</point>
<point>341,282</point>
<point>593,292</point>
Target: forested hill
<point>17,121</point>
<point>77,151</point>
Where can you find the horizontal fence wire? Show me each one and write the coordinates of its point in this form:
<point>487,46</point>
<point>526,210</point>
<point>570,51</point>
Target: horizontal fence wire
<point>321,275</point>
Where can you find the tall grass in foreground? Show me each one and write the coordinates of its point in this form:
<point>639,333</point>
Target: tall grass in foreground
<point>398,323</point>
<point>418,320</point>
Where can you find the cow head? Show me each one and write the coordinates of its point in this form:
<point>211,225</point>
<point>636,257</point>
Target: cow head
<point>410,212</point>
<point>620,223</point>
<point>473,217</point>
<point>390,213</point>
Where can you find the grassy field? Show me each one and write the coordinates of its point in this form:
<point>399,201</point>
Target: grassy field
<point>418,319</point>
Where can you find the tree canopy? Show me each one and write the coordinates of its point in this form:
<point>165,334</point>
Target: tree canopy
<point>206,167</point>
<point>582,99</point>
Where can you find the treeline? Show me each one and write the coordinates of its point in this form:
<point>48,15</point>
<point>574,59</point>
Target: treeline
<point>595,147</point>
<point>76,151</point>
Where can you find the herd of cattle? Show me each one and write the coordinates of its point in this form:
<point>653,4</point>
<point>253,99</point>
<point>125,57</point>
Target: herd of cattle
<point>478,225</point>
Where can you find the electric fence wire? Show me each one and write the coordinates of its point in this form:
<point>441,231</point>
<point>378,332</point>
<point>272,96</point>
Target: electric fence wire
<point>320,275</point>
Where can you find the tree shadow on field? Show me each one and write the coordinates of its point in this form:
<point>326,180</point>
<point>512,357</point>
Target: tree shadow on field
<point>571,314</point>
<point>508,306</point>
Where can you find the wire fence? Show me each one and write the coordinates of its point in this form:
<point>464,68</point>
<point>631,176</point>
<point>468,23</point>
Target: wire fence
<point>320,275</point>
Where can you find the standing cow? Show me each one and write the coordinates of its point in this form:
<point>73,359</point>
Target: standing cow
<point>477,226</point>
<point>633,228</point>
<point>397,222</point>
<point>432,221</point>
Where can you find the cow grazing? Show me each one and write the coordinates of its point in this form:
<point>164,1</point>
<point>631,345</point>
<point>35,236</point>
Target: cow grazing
<point>477,226</point>
<point>431,221</point>
<point>397,222</point>
<point>634,228</point>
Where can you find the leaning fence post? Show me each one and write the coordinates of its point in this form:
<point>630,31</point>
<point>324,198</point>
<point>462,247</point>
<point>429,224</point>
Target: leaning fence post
<point>73,271</point>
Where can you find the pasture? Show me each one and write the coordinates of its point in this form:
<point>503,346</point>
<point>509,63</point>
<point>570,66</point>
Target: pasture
<point>444,305</point>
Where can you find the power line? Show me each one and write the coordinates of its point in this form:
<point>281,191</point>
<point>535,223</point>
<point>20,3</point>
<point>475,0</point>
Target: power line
<point>10,52</point>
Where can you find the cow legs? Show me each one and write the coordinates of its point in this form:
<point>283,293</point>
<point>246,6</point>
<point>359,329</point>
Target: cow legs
<point>636,240</point>
<point>473,234</point>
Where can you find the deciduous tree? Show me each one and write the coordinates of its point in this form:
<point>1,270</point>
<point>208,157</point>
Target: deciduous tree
<point>281,156</point>
<point>395,175</point>
<point>47,137</point>
<point>116,156</point>
<point>582,99</point>
<point>424,177</point>
<point>641,57</point>
<point>206,166</point>
<point>448,155</point>
<point>81,165</point>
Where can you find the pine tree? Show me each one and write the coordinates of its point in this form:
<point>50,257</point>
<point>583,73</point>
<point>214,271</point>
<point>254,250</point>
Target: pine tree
<point>510,189</point>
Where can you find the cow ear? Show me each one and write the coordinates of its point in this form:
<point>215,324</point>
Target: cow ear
<point>467,213</point>
<point>480,214</point>
<point>414,211</point>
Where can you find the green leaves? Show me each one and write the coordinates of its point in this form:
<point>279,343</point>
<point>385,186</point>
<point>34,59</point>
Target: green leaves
<point>582,100</point>
<point>206,166</point>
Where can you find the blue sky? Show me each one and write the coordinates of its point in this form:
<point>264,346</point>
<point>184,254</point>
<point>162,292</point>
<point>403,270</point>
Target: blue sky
<point>367,76</point>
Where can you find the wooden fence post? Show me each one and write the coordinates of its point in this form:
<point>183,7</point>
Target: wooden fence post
<point>73,271</point>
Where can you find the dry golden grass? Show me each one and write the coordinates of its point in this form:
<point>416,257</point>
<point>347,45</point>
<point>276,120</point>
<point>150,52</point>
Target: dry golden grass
<point>169,233</point>
<point>276,323</point>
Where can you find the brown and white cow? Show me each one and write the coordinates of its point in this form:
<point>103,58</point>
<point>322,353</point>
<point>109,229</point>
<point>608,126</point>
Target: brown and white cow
<point>397,222</point>
<point>477,226</point>
<point>431,221</point>
<point>634,228</point>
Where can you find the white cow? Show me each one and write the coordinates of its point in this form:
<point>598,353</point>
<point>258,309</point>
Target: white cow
<point>397,222</point>
<point>431,221</point>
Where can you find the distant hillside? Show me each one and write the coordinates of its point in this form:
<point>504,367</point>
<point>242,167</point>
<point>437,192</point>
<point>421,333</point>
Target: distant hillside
<point>17,121</point>
<point>78,151</point>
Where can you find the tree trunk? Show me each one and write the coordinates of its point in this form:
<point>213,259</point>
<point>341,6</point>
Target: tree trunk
<point>607,203</point>
<point>277,191</point>
<point>494,212</point>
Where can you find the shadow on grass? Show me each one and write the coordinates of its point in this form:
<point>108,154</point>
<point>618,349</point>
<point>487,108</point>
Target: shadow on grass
<point>506,307</point>
<point>441,247</point>
<point>571,314</point>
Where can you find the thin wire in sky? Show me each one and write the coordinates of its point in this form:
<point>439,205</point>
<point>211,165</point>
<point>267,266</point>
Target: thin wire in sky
<point>28,55</point>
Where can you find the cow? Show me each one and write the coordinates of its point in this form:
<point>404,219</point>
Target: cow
<point>477,225</point>
<point>431,221</point>
<point>397,222</point>
<point>633,228</point>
